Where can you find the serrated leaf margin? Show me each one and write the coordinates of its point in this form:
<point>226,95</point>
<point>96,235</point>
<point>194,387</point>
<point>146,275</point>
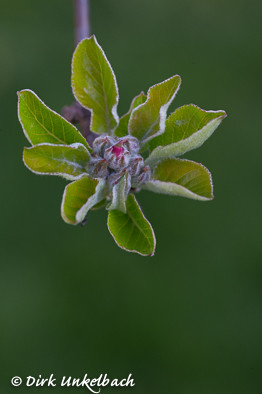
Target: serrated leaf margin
<point>54,112</point>
<point>153,158</point>
<point>162,111</point>
<point>114,107</point>
<point>135,251</point>
<point>69,177</point>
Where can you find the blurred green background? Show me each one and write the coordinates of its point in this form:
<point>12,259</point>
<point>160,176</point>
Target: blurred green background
<point>188,320</point>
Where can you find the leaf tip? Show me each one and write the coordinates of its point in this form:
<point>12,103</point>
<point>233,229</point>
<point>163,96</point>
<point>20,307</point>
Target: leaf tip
<point>153,252</point>
<point>221,114</point>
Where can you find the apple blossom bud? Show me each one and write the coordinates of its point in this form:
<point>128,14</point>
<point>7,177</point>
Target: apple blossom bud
<point>115,177</point>
<point>143,177</point>
<point>135,165</point>
<point>117,157</point>
<point>98,168</point>
<point>100,144</point>
<point>130,143</point>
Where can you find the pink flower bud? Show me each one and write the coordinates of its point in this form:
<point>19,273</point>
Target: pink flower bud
<point>100,144</point>
<point>115,177</point>
<point>98,168</point>
<point>136,163</point>
<point>117,157</point>
<point>143,177</point>
<point>130,143</point>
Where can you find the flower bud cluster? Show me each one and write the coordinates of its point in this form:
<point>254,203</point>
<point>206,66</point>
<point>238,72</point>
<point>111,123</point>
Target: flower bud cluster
<point>113,157</point>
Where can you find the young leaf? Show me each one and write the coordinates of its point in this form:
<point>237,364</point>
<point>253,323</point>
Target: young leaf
<point>42,125</point>
<point>148,119</point>
<point>182,178</point>
<point>79,197</point>
<point>187,128</point>
<point>120,192</point>
<point>94,85</point>
<point>63,160</point>
<point>99,205</point>
<point>122,128</point>
<point>132,231</point>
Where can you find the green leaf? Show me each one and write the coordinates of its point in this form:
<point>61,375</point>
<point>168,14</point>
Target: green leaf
<point>63,160</point>
<point>99,205</point>
<point>148,119</point>
<point>122,128</point>
<point>182,178</point>
<point>186,129</point>
<point>120,192</point>
<point>79,197</point>
<point>94,85</point>
<point>42,125</point>
<point>132,231</point>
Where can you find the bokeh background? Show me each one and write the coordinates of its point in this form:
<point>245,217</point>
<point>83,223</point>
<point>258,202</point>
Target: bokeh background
<point>188,320</point>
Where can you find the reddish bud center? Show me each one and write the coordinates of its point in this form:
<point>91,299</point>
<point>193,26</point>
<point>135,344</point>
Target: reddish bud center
<point>118,150</point>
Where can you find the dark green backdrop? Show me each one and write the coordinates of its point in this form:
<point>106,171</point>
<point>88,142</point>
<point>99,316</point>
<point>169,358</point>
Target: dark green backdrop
<point>189,320</point>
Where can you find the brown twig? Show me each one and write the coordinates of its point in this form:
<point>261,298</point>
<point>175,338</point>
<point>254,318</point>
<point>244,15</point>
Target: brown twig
<point>82,20</point>
<point>75,113</point>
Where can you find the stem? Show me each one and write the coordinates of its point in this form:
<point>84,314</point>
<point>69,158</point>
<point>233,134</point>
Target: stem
<point>75,113</point>
<point>82,20</point>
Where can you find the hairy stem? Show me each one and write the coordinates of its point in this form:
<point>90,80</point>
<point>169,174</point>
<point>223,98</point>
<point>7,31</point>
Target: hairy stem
<point>82,19</point>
